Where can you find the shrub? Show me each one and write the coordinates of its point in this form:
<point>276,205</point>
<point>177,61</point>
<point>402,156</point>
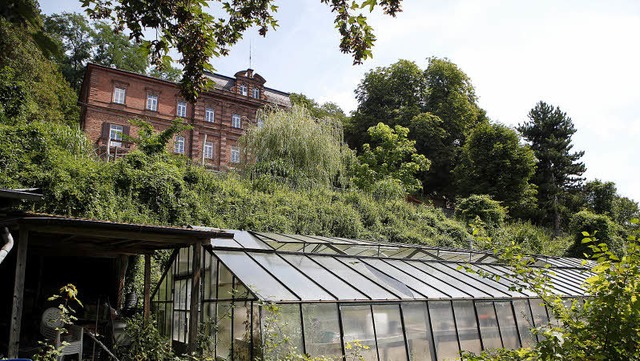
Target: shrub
<point>483,208</point>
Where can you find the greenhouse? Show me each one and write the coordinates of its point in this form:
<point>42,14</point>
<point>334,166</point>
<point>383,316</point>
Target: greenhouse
<point>262,294</point>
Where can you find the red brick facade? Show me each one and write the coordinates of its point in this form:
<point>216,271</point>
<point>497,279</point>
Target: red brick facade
<point>110,97</point>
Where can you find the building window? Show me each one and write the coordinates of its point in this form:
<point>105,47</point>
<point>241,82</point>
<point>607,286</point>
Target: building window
<point>260,123</point>
<point>181,111</point>
<point>235,154</point>
<point>235,121</point>
<point>243,90</point>
<point>119,95</point>
<point>115,135</point>
<point>256,93</point>
<point>208,150</point>
<point>209,115</point>
<point>152,102</point>
<point>178,146</point>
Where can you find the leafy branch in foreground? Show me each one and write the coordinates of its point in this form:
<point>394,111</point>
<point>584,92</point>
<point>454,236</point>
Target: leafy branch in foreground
<point>190,28</point>
<point>603,326</point>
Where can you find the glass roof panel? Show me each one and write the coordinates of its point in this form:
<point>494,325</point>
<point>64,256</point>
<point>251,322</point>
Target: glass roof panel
<point>506,276</point>
<point>225,242</point>
<point>428,278</point>
<point>324,278</point>
<point>415,283</point>
<point>306,239</point>
<point>384,280</point>
<point>469,278</point>
<point>449,278</point>
<point>276,237</point>
<point>491,282</point>
<point>247,240</point>
<point>261,283</point>
<point>293,279</point>
<point>358,281</point>
<point>454,256</point>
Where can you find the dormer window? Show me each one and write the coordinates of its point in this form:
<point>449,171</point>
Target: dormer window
<point>255,93</point>
<point>244,90</point>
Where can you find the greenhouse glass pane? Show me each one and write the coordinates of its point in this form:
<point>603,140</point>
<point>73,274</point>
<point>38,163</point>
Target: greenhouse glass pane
<point>168,310</point>
<point>223,334</point>
<point>539,312</point>
<point>357,325</point>
<point>418,331</point>
<point>291,277</point>
<point>407,278</point>
<point>488,325</point>
<point>434,278</point>
<point>467,326</point>
<point>525,322</point>
<point>182,294</point>
<point>468,278</point>
<point>184,261</point>
<point>242,331</point>
<point>389,334</point>
<point>254,277</point>
<point>247,240</point>
<point>209,317</point>
<point>280,323</point>
<point>444,330</point>
<point>324,278</point>
<point>361,283</point>
<point>210,279</point>
<point>322,329</point>
<point>488,281</point>
<point>505,276</point>
<point>507,323</point>
<point>225,283</point>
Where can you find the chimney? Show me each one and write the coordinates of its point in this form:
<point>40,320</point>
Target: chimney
<point>249,73</point>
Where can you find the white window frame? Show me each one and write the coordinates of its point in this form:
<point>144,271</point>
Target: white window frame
<point>255,93</point>
<point>235,154</point>
<point>236,121</point>
<point>207,150</point>
<point>115,135</point>
<point>178,145</point>
<point>244,90</point>
<point>119,95</point>
<point>209,115</point>
<point>152,102</point>
<point>181,109</point>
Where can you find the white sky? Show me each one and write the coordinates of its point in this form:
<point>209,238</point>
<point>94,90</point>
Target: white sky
<point>581,55</point>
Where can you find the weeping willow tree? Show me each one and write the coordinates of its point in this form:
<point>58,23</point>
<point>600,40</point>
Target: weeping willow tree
<point>291,145</point>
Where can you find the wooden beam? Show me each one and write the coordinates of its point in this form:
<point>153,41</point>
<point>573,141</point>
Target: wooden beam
<point>147,287</point>
<point>195,299</point>
<point>18,293</point>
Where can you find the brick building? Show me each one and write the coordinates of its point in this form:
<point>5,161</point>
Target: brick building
<point>110,97</point>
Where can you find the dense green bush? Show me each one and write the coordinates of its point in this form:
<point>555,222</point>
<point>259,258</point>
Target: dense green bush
<point>603,228</point>
<point>481,207</point>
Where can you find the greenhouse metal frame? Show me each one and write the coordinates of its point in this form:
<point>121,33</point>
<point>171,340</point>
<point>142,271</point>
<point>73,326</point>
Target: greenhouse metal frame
<point>335,297</point>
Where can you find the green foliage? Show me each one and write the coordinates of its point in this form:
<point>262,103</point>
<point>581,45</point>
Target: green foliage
<point>600,196</point>
<point>202,35</point>
<point>151,142</point>
<point>49,96</point>
<point>602,228</point>
<point>549,132</point>
<point>295,146</point>
<point>481,207</point>
<point>391,159</point>
<point>317,111</point>
<point>605,327</point>
<point>437,104</point>
<point>13,97</point>
<point>144,342</point>
<point>531,238</point>
<point>493,162</point>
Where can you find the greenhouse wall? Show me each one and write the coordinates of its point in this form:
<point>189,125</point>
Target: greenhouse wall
<point>245,325</point>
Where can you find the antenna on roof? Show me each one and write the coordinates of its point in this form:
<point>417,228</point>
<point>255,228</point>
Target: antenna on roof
<point>250,45</point>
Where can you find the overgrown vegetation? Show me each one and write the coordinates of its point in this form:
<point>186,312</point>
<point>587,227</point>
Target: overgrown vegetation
<point>604,326</point>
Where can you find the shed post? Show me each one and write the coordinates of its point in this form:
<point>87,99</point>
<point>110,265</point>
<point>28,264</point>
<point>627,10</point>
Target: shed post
<point>195,298</point>
<point>147,287</point>
<point>18,293</point>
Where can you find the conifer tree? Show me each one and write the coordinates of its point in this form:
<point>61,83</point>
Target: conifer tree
<point>558,175</point>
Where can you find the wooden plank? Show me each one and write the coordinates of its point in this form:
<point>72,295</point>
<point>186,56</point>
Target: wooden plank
<point>18,293</point>
<point>195,299</point>
<point>147,287</point>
